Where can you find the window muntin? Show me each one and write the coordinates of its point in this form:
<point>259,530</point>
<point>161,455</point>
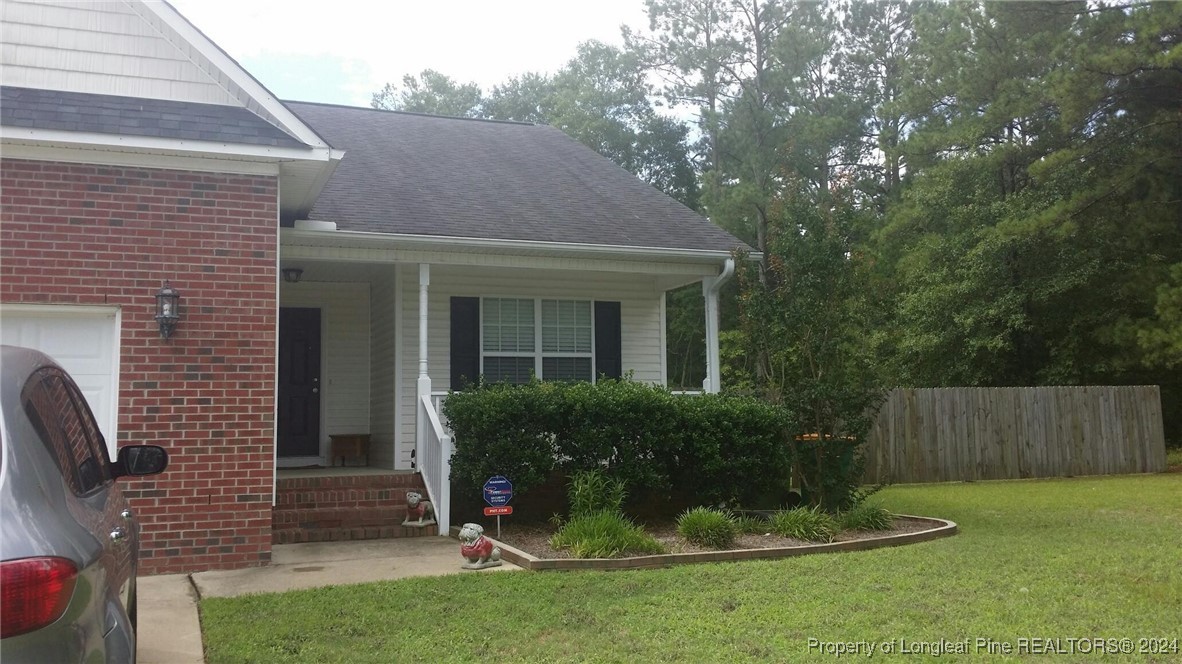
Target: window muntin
<point>552,339</point>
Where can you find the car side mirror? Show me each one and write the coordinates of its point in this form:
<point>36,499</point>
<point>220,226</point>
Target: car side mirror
<point>136,460</point>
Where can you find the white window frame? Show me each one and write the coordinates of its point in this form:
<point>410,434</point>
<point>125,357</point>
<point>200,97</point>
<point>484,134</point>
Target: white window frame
<point>537,354</point>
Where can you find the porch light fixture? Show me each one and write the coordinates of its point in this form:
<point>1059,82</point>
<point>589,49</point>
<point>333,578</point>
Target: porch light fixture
<point>168,311</point>
<point>292,274</point>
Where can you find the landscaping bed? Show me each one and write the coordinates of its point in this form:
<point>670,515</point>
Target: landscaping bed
<point>529,546</point>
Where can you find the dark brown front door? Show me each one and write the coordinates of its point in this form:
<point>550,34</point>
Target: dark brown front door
<point>299,382</point>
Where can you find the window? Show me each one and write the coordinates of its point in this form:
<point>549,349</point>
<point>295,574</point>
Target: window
<point>551,339</point>
<point>61,418</point>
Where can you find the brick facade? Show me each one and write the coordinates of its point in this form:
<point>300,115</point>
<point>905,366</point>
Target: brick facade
<point>106,235</point>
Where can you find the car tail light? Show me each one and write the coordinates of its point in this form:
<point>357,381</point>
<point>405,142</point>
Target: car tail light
<point>34,592</point>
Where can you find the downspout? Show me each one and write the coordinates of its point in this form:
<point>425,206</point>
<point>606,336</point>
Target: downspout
<point>710,289</point>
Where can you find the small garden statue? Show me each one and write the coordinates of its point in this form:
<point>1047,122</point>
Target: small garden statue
<point>419,512</point>
<point>478,549</point>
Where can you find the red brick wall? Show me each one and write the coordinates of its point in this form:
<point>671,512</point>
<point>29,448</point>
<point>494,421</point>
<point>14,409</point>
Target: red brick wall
<point>101,235</point>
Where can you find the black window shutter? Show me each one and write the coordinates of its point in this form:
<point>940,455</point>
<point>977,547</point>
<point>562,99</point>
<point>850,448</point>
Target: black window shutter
<point>609,359</point>
<point>465,341</point>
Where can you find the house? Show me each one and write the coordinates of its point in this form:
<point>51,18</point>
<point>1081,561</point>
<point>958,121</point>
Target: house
<point>339,270</point>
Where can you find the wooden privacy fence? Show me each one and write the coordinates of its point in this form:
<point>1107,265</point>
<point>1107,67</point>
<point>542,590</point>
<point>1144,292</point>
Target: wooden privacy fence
<point>987,433</point>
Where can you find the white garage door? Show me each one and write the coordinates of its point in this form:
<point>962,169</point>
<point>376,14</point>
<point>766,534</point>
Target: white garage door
<point>84,340</point>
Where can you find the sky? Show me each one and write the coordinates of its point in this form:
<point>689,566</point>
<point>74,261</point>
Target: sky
<point>343,51</point>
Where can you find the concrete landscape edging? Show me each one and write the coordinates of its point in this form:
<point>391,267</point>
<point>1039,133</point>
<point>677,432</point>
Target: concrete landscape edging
<point>939,528</point>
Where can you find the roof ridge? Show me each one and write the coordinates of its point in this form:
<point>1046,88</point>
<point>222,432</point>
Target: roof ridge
<point>422,115</point>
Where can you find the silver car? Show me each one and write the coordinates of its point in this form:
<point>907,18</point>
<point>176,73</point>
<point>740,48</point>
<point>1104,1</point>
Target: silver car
<point>69,541</point>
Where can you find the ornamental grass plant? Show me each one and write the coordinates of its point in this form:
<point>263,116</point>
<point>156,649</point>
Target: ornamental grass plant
<point>706,526</point>
<point>866,516</point>
<point>811,524</point>
<point>604,534</point>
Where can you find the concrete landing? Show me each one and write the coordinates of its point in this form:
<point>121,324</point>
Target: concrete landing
<point>317,564</point>
<point>169,626</point>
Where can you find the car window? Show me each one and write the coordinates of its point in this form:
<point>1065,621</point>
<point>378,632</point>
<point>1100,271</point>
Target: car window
<point>90,431</point>
<point>68,431</point>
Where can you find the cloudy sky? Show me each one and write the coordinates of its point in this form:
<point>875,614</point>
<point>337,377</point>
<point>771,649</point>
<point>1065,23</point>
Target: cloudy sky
<point>342,51</point>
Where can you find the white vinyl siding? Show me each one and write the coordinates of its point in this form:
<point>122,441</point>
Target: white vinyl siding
<point>345,352</point>
<point>383,376</point>
<point>102,48</point>
<point>640,310</point>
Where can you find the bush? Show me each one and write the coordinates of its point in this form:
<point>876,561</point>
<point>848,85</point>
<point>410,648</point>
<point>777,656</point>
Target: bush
<point>590,491</point>
<point>716,448</point>
<point>804,523</point>
<point>707,527</point>
<point>604,535</point>
<point>831,471</point>
<point>866,516</point>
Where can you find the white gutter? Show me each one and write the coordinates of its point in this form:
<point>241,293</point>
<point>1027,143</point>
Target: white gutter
<point>96,140</point>
<point>710,289</point>
<point>452,243</point>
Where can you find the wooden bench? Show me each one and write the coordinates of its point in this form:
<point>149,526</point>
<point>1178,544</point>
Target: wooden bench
<point>349,445</point>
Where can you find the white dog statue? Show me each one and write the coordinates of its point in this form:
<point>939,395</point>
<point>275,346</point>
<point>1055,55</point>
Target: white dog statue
<point>419,512</point>
<point>478,549</point>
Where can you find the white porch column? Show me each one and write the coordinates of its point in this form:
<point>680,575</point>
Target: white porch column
<point>710,288</point>
<point>424,385</point>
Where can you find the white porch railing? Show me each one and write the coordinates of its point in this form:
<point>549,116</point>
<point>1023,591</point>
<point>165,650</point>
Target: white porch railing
<point>437,399</point>
<point>434,458</point>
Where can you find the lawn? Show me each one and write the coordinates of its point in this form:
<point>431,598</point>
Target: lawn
<point>1066,559</point>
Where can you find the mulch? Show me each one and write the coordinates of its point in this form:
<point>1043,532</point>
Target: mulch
<point>535,539</point>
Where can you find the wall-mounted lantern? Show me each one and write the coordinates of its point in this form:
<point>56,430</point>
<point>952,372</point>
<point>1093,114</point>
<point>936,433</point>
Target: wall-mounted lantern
<point>292,274</point>
<point>168,309</point>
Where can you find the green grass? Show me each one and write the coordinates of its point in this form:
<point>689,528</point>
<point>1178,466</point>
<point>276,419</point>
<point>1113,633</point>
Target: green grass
<point>1086,557</point>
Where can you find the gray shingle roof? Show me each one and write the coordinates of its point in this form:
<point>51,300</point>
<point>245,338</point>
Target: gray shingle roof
<point>406,173</point>
<point>130,116</point>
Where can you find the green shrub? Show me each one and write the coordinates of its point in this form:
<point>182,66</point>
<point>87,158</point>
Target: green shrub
<point>706,526</point>
<point>805,523</point>
<point>866,516</point>
<point>591,491</point>
<point>501,430</point>
<point>604,535</point>
<point>752,525</point>
<point>719,448</point>
<point>831,471</point>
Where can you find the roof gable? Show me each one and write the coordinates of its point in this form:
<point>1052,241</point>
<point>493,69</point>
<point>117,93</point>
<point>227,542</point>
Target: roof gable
<point>410,174</point>
<point>132,49</point>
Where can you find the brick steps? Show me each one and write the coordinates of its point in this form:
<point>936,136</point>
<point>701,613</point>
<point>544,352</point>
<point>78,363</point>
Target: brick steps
<point>355,507</point>
<point>300,535</point>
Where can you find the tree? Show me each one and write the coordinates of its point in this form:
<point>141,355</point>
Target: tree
<point>433,93</point>
<point>805,322</point>
<point>1037,227</point>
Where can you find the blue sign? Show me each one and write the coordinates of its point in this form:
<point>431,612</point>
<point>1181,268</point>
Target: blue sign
<point>498,491</point>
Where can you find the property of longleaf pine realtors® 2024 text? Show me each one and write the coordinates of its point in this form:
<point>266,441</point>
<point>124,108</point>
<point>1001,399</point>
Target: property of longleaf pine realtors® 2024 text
<point>988,646</point>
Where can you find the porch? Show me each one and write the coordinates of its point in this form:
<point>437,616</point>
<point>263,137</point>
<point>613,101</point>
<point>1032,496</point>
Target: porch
<point>382,345</point>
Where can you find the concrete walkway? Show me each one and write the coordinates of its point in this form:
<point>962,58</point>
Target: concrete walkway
<point>169,627</point>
